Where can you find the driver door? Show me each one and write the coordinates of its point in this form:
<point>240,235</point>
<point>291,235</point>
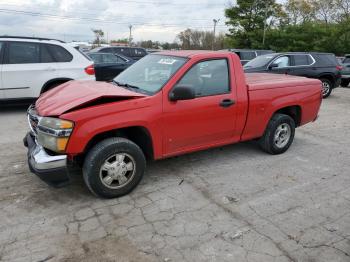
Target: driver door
<point>281,65</point>
<point>2,96</point>
<point>206,120</point>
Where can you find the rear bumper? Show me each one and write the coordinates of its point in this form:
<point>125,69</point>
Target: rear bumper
<point>346,76</point>
<point>51,169</point>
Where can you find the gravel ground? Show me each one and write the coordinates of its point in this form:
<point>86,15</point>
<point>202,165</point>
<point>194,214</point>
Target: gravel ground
<point>233,203</point>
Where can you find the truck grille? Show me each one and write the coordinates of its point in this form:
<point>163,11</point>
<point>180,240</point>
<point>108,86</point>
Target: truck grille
<point>33,119</point>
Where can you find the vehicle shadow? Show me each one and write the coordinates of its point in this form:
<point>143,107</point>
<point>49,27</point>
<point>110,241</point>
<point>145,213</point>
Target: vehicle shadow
<point>4,108</point>
<point>173,170</point>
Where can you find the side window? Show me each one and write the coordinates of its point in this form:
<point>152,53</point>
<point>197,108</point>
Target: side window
<point>60,54</point>
<point>119,60</point>
<point>97,58</point>
<point>123,51</point>
<point>110,59</point>
<point>1,44</point>
<point>138,52</point>
<point>283,61</point>
<point>107,50</point>
<point>208,78</point>
<point>301,60</point>
<point>45,56</point>
<point>23,53</point>
<point>247,55</point>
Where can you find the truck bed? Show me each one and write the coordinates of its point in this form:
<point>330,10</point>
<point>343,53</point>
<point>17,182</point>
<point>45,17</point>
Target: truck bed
<point>257,81</point>
<point>269,92</point>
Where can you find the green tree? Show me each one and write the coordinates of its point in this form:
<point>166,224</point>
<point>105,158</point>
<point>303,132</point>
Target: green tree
<point>98,35</point>
<point>300,11</point>
<point>121,40</point>
<point>198,39</point>
<point>247,20</point>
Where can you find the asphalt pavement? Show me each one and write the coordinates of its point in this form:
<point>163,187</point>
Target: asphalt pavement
<point>234,203</point>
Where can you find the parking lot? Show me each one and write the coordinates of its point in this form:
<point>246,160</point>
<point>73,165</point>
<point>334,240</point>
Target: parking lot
<point>234,203</point>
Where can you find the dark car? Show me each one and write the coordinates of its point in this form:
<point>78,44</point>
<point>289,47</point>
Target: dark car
<point>108,66</point>
<point>246,55</point>
<point>323,66</point>
<point>135,53</point>
<point>345,72</point>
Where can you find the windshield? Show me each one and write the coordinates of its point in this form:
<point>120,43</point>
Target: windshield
<point>259,61</point>
<point>151,72</point>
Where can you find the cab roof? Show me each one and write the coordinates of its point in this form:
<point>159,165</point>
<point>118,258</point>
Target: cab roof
<point>190,53</point>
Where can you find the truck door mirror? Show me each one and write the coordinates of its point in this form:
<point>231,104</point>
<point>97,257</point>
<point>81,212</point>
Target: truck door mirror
<point>182,92</point>
<point>273,65</point>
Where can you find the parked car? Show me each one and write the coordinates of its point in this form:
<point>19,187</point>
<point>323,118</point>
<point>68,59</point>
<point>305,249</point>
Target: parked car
<point>345,72</point>
<point>135,53</point>
<point>321,66</point>
<point>204,100</point>
<point>108,66</point>
<point>247,55</point>
<point>150,51</point>
<point>30,66</point>
<point>340,59</point>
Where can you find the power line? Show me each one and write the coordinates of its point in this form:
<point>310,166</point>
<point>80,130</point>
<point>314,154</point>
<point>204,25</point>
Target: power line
<point>97,20</point>
<point>90,13</point>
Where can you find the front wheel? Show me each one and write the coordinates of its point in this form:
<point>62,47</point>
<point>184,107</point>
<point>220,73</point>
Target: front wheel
<point>327,87</point>
<point>114,167</point>
<point>278,135</point>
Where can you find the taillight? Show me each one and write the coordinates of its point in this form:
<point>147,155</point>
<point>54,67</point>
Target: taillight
<point>90,70</point>
<point>339,68</point>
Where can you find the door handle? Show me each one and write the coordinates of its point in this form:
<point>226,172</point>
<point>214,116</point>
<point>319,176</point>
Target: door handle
<point>50,69</point>
<point>227,103</point>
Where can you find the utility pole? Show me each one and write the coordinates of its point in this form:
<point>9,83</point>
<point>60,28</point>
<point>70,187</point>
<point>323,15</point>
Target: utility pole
<point>215,22</point>
<point>265,23</point>
<point>130,37</point>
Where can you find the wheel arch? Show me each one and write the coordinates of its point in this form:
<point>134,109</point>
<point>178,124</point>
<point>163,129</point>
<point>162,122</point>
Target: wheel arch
<point>328,76</point>
<point>294,111</point>
<point>54,81</point>
<point>140,135</point>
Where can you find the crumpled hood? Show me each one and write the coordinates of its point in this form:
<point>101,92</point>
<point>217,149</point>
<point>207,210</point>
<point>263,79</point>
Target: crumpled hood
<point>75,94</point>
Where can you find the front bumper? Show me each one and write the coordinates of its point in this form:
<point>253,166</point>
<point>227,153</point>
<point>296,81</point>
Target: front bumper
<point>345,76</point>
<point>51,169</point>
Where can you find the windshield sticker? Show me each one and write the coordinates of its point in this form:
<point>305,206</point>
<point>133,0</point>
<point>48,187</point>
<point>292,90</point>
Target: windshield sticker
<point>166,61</point>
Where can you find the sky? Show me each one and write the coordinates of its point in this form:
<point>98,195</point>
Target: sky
<point>69,20</point>
<point>159,20</point>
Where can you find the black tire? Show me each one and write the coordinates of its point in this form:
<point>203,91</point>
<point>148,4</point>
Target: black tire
<point>98,156</point>
<point>326,92</point>
<point>267,141</point>
<point>345,83</point>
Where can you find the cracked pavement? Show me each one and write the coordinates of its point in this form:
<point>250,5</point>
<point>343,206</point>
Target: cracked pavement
<point>233,203</point>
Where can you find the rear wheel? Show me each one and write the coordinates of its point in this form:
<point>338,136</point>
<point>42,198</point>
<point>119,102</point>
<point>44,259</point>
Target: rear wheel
<point>278,135</point>
<point>327,87</point>
<point>114,167</point>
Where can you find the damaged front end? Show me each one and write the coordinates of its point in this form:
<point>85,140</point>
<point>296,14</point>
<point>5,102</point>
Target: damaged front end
<point>51,167</point>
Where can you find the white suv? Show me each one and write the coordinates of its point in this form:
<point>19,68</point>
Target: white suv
<point>31,66</point>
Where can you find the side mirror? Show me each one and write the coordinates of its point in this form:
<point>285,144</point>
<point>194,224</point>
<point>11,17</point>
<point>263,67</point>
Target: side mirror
<point>273,65</point>
<point>182,93</point>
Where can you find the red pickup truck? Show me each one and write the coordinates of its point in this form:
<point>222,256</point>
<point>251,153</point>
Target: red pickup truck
<point>166,104</point>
